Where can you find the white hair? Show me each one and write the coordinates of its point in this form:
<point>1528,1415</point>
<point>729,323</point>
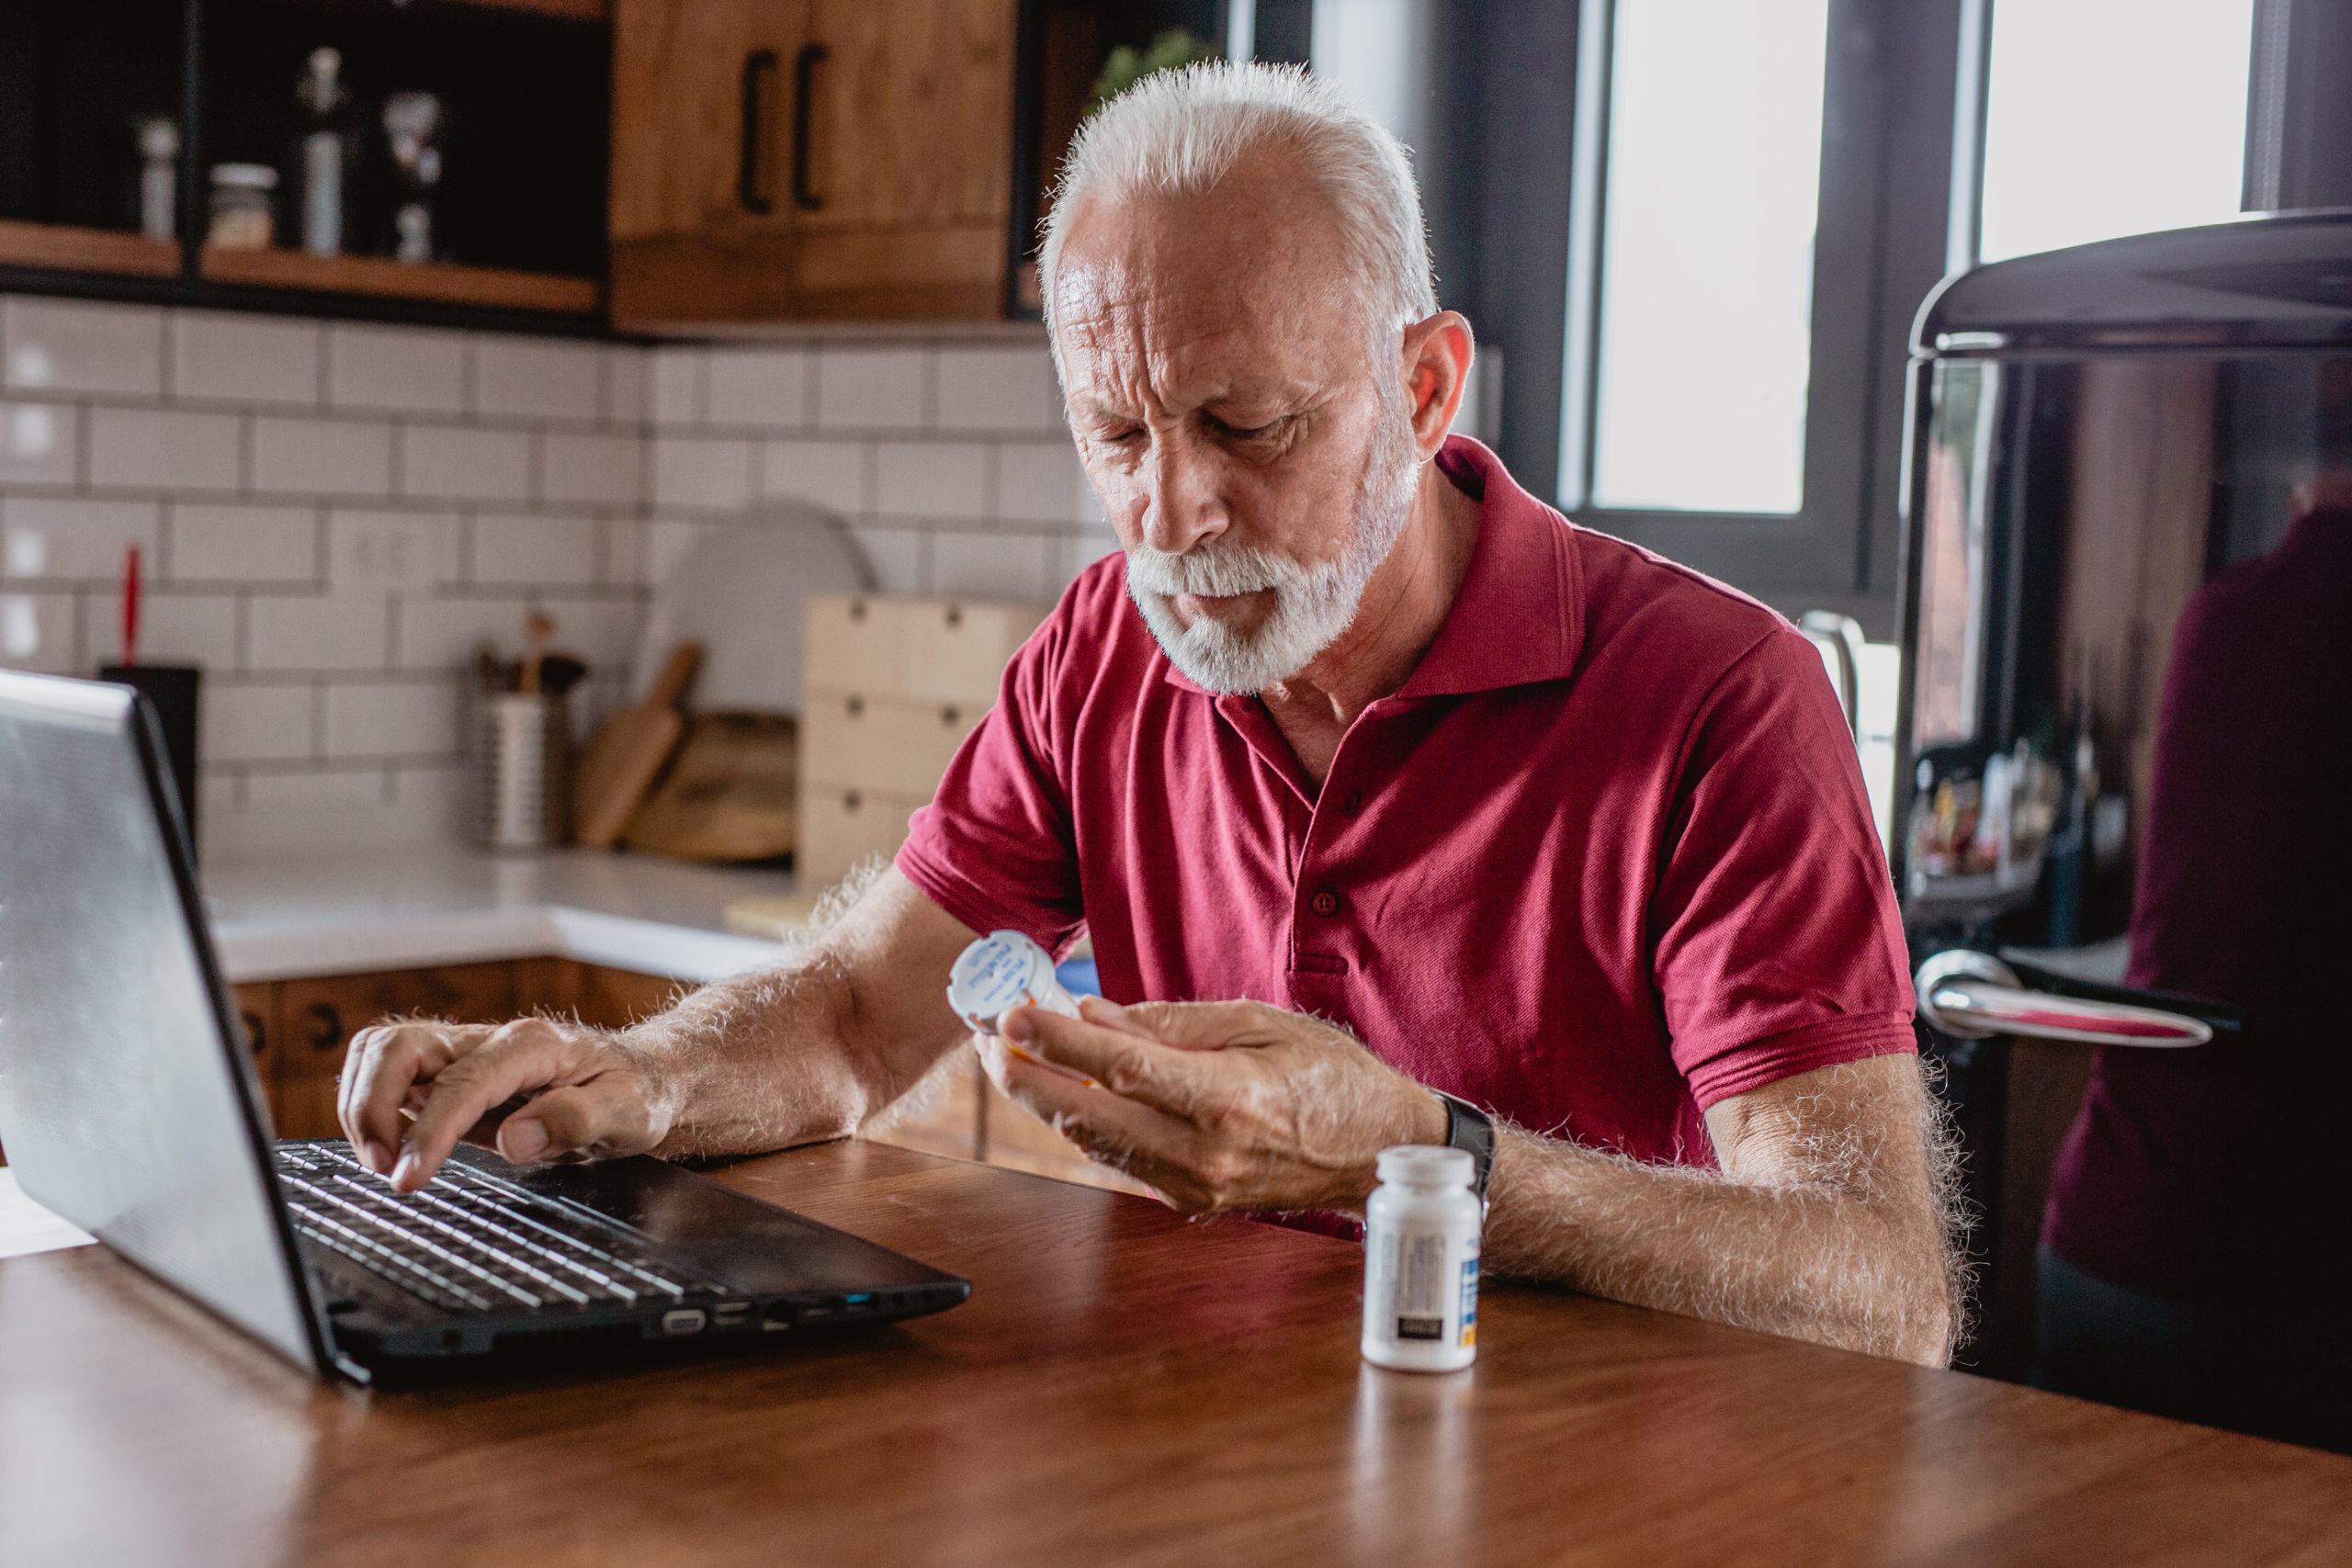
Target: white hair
<point>1180,132</point>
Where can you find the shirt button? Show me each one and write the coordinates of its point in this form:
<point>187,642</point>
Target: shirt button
<point>1326,903</point>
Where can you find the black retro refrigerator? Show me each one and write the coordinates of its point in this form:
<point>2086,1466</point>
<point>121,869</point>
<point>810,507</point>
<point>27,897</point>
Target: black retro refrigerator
<point>2123,781</point>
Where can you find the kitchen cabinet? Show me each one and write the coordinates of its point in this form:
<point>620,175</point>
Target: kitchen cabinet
<point>822,159</point>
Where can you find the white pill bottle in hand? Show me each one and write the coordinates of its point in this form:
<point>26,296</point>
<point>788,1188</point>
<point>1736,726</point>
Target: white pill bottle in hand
<point>1001,971</point>
<point>1420,1261</point>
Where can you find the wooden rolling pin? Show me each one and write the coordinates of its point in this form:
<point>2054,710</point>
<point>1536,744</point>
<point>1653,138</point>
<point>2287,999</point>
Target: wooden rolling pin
<point>627,754</point>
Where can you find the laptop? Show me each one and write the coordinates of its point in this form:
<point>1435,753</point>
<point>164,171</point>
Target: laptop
<point>128,1106</point>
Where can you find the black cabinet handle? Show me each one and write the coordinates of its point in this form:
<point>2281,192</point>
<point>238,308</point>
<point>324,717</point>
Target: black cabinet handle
<point>747,165</point>
<point>327,1034</point>
<point>804,79</point>
<point>256,1032</point>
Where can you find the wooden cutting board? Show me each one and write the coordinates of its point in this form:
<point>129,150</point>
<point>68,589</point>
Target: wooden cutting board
<point>731,795</point>
<point>621,764</point>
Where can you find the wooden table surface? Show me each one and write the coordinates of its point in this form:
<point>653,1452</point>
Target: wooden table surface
<point>1124,1386</point>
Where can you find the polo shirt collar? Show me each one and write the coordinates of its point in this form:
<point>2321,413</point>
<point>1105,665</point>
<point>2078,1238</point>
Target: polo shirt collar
<point>1519,616</point>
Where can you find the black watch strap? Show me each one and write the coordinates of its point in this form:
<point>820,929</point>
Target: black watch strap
<point>1472,1131</point>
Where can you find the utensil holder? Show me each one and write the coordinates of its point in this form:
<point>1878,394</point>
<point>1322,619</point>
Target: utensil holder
<point>522,771</point>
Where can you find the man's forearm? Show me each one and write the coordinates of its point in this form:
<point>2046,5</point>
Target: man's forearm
<point>1809,1259</point>
<point>766,1061</point>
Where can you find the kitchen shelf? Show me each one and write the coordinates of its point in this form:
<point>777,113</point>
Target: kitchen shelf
<point>438,281</point>
<point>87,250</point>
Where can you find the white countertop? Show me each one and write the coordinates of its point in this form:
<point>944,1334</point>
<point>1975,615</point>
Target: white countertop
<point>400,910</point>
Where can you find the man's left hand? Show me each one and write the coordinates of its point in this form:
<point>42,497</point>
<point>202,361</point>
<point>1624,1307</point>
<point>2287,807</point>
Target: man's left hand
<point>1215,1105</point>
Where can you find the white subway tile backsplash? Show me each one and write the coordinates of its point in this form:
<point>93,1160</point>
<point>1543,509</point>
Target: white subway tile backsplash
<point>525,378</point>
<point>40,443</point>
<point>371,551</point>
<point>461,464</point>
<point>525,551</point>
<point>174,628</point>
<point>59,536</point>
<point>675,383</point>
<point>37,632</point>
<point>831,474</point>
<point>221,357</point>
<point>246,723</point>
<point>666,540</point>
<point>1044,483</point>
<point>870,389</point>
<point>293,456</point>
<point>396,369</point>
<point>999,388</point>
<point>412,718</point>
<point>172,449</point>
<point>244,544</point>
<point>317,632</point>
<point>931,480</point>
<point>69,347</point>
<point>702,471</point>
<point>622,556</point>
<point>441,633</point>
<point>600,470</point>
<point>995,566</point>
<point>625,378</point>
<point>767,388</point>
<point>260,458</point>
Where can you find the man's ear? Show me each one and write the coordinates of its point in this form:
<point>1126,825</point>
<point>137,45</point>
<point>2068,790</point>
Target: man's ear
<point>1437,354</point>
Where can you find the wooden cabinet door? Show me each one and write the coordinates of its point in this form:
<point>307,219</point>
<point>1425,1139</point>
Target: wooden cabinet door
<point>701,211</point>
<point>258,1016</point>
<point>904,211</point>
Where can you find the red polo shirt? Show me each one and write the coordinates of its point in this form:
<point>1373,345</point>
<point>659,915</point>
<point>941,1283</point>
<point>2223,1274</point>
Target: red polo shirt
<point>1604,860</point>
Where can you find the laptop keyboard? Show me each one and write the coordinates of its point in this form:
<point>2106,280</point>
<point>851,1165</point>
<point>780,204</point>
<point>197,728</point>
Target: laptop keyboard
<point>469,1242</point>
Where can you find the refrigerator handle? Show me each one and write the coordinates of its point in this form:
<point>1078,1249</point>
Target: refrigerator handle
<point>1842,636</point>
<point>1972,995</point>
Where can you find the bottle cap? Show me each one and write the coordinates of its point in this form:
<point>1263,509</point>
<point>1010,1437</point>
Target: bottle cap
<point>1000,971</point>
<point>1427,1164</point>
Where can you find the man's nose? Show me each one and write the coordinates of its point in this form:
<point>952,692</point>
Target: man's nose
<point>1183,502</point>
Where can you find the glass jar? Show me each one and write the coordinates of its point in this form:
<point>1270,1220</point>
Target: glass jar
<point>243,218</point>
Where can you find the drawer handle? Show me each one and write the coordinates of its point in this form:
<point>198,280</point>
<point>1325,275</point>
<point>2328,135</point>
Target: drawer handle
<point>803,87</point>
<point>856,706</point>
<point>327,1034</point>
<point>954,616</point>
<point>256,1032</point>
<point>758,63</point>
<point>950,714</point>
<point>852,801</point>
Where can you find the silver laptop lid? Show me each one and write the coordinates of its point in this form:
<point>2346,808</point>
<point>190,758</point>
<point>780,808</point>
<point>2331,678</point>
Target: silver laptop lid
<point>126,1104</point>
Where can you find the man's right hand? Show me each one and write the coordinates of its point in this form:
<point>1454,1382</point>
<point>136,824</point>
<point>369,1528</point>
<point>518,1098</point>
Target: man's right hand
<point>590,1095</point>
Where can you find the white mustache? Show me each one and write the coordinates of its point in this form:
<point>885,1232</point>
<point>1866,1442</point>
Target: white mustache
<point>1212,573</point>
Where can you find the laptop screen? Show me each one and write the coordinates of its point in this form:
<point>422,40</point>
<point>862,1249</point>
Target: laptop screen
<point>127,1105</point>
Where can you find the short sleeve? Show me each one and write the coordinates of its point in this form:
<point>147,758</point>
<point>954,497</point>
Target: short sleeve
<point>1778,947</point>
<point>995,847</point>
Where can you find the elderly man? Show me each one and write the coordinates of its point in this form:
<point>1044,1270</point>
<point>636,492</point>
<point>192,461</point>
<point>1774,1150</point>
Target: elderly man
<point>1385,793</point>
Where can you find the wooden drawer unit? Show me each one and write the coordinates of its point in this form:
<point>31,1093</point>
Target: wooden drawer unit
<point>840,826</point>
<point>856,643</point>
<point>957,650</point>
<point>897,744</point>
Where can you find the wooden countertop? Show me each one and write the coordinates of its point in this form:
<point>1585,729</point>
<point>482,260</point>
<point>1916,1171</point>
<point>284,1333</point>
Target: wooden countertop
<point>1124,1386</point>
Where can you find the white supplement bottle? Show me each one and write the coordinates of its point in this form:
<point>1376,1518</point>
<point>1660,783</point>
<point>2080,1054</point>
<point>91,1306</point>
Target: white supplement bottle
<point>1001,971</point>
<point>1420,1261</point>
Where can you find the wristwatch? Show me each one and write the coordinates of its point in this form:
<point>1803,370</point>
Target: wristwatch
<point>1472,1131</point>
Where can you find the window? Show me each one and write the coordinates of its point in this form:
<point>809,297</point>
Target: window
<point>1705,262</point>
<point>2105,118</point>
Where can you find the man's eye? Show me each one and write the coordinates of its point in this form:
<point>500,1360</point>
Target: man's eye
<point>1119,437</point>
<point>1252,432</point>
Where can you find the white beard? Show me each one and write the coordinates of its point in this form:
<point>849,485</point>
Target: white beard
<point>1313,604</point>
